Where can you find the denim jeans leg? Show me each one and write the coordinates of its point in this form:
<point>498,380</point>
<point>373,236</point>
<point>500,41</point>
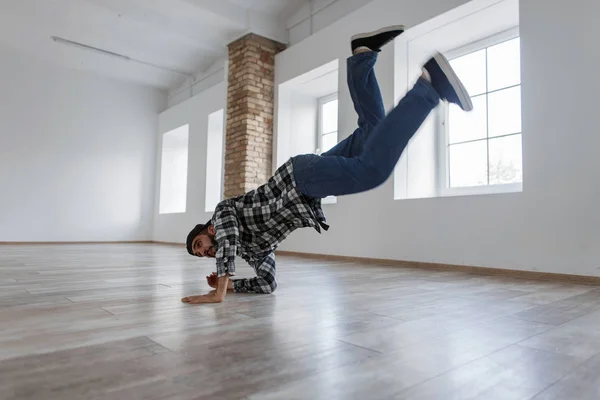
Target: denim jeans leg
<point>322,176</point>
<point>387,141</point>
<point>366,97</point>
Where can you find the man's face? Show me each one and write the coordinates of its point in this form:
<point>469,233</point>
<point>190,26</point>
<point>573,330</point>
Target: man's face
<point>204,244</point>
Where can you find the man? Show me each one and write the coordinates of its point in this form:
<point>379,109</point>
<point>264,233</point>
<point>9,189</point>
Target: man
<point>253,225</point>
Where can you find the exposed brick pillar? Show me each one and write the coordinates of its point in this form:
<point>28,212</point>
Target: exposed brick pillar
<point>250,102</point>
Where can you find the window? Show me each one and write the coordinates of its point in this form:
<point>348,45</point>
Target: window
<point>328,123</point>
<point>481,150</point>
<point>214,161</point>
<point>173,171</point>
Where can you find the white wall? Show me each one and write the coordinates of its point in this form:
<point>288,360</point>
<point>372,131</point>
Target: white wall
<point>77,154</point>
<point>195,111</point>
<point>553,225</point>
<point>318,14</point>
<point>200,82</point>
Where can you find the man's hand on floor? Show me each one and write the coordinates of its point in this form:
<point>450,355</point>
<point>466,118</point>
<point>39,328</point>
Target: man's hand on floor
<point>203,299</point>
<point>215,296</point>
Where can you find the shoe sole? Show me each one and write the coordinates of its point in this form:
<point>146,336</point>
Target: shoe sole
<point>378,32</point>
<point>459,88</point>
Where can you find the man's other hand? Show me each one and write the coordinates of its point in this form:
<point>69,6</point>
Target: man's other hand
<point>212,280</point>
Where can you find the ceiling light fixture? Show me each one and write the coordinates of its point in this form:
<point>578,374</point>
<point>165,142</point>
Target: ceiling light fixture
<point>116,55</point>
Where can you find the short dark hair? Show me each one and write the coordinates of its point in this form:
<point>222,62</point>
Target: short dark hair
<point>198,229</point>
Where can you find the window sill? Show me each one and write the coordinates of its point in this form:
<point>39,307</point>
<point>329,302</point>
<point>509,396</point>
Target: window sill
<point>482,190</point>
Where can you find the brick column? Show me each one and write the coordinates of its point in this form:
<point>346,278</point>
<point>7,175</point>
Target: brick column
<point>250,98</point>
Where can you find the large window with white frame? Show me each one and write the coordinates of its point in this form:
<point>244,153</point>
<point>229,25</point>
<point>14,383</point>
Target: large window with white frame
<point>480,151</point>
<point>328,123</point>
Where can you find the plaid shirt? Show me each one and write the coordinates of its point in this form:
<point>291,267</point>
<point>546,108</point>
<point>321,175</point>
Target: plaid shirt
<point>253,225</point>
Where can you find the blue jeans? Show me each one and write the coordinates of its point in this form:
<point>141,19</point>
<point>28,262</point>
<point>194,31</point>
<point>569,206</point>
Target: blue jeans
<point>367,158</point>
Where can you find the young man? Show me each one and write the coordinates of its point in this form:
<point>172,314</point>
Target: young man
<point>253,225</point>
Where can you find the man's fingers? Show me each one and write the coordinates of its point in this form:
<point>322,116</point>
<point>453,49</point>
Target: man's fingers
<point>190,300</point>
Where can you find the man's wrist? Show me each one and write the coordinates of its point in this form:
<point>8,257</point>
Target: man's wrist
<point>222,283</point>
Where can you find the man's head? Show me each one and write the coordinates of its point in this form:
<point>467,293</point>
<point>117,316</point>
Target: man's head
<point>201,241</point>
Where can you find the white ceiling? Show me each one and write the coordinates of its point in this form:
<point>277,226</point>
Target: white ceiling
<point>272,7</point>
<point>182,35</point>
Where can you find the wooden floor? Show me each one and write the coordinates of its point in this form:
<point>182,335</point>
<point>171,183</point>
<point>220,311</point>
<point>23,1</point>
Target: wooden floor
<point>106,322</point>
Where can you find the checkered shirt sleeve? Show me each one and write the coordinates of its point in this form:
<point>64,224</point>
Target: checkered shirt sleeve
<point>225,223</point>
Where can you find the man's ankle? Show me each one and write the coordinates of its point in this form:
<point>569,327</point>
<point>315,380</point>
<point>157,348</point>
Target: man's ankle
<point>425,75</point>
<point>361,49</point>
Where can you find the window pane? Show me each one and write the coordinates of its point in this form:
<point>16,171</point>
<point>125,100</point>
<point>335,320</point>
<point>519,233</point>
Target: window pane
<point>505,112</point>
<point>506,162</point>
<point>471,71</point>
<point>214,161</point>
<point>330,116</point>
<point>468,164</point>
<point>504,65</point>
<point>329,141</point>
<point>173,171</point>
<point>465,126</point>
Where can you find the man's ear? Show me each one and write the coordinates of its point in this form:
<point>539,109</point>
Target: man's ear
<point>211,230</point>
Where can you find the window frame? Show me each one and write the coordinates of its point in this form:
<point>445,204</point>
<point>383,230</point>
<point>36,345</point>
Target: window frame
<point>321,101</point>
<point>443,130</point>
